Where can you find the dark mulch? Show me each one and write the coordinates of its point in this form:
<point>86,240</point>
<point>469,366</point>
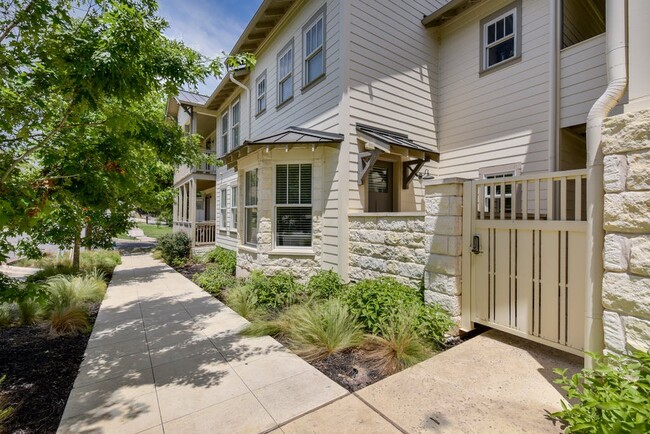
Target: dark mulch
<point>350,369</point>
<point>40,371</point>
<point>190,270</point>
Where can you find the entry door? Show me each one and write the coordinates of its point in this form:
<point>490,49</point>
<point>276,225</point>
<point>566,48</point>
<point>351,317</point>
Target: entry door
<point>380,187</point>
<point>208,208</point>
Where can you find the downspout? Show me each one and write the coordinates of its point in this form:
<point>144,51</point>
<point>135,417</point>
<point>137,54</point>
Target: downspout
<point>617,82</point>
<point>554,88</point>
<point>250,107</point>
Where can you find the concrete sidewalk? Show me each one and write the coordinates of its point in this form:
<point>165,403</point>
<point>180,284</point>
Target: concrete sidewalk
<point>166,355</point>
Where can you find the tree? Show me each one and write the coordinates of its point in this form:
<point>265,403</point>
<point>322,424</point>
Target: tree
<point>82,136</point>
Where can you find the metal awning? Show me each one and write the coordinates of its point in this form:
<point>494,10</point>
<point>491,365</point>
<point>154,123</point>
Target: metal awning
<point>287,138</point>
<point>379,141</point>
<point>447,12</point>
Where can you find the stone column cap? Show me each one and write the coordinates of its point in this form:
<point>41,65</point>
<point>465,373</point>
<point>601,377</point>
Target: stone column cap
<point>443,181</point>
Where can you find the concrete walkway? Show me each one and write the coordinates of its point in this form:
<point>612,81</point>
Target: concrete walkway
<point>165,355</point>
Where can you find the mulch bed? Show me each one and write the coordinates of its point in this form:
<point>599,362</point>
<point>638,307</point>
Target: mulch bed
<point>190,270</point>
<point>349,369</point>
<point>40,371</point>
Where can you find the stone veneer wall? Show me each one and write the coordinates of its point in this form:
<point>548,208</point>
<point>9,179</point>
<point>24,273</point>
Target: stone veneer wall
<point>626,282</point>
<point>387,245</point>
<point>443,244</point>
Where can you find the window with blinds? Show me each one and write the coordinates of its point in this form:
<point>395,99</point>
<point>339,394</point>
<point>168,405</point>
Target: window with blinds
<point>250,208</point>
<point>293,207</point>
<point>233,207</point>
<point>223,208</point>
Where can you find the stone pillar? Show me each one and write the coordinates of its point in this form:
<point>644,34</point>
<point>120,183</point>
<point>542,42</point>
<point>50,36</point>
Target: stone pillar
<point>626,281</point>
<point>443,226</point>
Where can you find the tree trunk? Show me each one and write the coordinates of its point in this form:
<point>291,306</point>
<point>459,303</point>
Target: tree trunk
<point>76,252</point>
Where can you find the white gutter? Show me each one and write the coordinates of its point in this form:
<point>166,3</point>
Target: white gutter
<point>616,46</point>
<point>554,87</point>
<point>250,107</point>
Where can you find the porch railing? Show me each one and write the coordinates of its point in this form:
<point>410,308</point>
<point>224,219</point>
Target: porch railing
<point>205,233</point>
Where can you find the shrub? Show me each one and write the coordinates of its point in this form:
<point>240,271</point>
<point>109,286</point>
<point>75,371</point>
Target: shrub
<point>68,320</point>
<point>79,288</point>
<point>399,345</point>
<point>319,329</point>
<point>377,302</point>
<point>614,397</point>
<point>275,292</point>
<point>175,248</point>
<point>242,299</point>
<point>214,279</point>
<point>102,260</point>
<point>224,258</point>
<point>14,291</point>
<point>6,315</point>
<point>324,284</point>
<point>28,311</point>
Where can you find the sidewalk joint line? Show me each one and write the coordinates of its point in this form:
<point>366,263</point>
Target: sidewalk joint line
<point>386,418</point>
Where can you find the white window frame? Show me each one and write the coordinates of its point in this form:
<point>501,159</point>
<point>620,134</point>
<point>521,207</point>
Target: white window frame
<point>276,206</point>
<point>234,200</point>
<point>313,22</point>
<point>286,77</point>
<point>223,208</point>
<point>224,146</point>
<point>250,206</point>
<point>513,9</point>
<point>261,96</point>
<point>498,172</point>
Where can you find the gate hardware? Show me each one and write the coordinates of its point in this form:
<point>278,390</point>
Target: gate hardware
<point>476,244</point>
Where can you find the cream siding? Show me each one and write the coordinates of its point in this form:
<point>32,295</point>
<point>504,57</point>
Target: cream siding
<point>226,178</point>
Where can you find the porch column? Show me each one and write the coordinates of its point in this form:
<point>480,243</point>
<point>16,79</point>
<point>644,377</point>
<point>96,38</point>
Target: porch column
<point>175,206</point>
<point>192,210</point>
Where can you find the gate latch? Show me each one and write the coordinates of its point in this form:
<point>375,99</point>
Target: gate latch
<point>476,244</point>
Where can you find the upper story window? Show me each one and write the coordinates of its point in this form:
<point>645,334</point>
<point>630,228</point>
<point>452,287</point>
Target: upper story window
<point>224,133</point>
<point>235,109</point>
<point>285,74</point>
<point>314,43</point>
<point>500,37</point>
<point>261,94</point>
<point>293,207</point>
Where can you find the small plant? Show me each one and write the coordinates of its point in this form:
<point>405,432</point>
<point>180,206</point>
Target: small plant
<point>6,315</point>
<point>223,258</point>
<point>324,285</point>
<point>399,345</point>
<point>5,409</point>
<point>28,312</point>
<point>83,288</point>
<point>102,260</point>
<point>319,329</point>
<point>264,328</point>
<point>68,320</point>
<point>242,299</point>
<point>275,292</point>
<point>214,279</point>
<point>175,248</point>
<point>614,397</point>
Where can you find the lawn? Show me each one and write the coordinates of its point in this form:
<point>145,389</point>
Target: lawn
<point>154,231</point>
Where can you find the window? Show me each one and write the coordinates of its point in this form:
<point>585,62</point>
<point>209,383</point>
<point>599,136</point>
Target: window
<point>285,74</point>
<point>500,37</point>
<point>223,207</point>
<point>498,195</point>
<point>293,208</point>
<point>261,94</point>
<point>224,133</point>
<point>233,207</point>
<point>250,208</point>
<point>234,141</point>
<point>313,40</point>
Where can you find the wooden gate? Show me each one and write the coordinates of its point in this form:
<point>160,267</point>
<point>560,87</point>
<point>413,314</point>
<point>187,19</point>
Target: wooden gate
<point>527,262</point>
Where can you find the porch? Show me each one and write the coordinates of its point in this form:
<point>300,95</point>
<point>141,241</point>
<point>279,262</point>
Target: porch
<point>195,210</point>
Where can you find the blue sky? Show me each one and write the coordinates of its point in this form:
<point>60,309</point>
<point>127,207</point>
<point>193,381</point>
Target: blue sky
<point>209,26</point>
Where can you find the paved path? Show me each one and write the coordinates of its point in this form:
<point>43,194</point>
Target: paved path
<point>166,355</point>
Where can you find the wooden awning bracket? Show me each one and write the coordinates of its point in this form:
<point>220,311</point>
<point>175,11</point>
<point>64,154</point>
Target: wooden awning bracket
<point>410,170</point>
<point>366,161</point>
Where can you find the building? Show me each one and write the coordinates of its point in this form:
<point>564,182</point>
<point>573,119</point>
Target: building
<point>330,143</point>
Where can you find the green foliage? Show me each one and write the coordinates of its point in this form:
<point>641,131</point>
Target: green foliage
<point>14,291</point>
<point>275,292</point>
<point>68,320</point>
<point>242,299</point>
<point>378,302</point>
<point>263,328</point>
<point>214,279</point>
<point>103,261</point>
<point>5,409</point>
<point>324,285</point>
<point>317,330</point>
<point>399,344</point>
<point>77,288</point>
<point>28,312</point>
<point>6,315</point>
<point>175,249</point>
<point>614,397</point>
<point>224,258</point>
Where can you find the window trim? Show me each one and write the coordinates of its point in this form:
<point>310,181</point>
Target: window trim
<point>321,13</point>
<point>259,79</point>
<point>288,249</point>
<point>233,145</point>
<point>223,150</point>
<point>290,75</point>
<point>514,7</point>
<point>223,209</point>
<point>246,207</point>
<point>492,172</point>
<point>234,202</point>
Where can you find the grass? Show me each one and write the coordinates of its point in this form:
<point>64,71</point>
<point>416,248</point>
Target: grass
<point>103,261</point>
<point>154,231</point>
